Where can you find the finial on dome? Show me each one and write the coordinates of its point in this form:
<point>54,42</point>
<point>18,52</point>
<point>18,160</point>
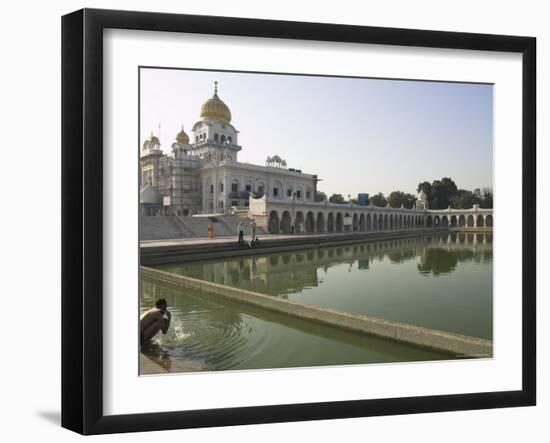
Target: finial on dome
<point>215,108</point>
<point>182,137</point>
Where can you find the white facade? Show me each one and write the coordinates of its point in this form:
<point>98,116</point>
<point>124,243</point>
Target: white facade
<point>203,174</point>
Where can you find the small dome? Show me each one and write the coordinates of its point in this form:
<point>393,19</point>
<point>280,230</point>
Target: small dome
<point>152,142</point>
<point>215,108</point>
<point>422,196</point>
<point>182,137</point>
<point>148,195</point>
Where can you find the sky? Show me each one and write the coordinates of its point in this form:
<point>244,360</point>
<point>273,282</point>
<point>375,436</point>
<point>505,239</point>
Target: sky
<point>356,134</point>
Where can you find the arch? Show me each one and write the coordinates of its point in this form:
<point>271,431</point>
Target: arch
<point>429,221</point>
<point>461,221</point>
<point>299,225</point>
<point>392,222</point>
<point>355,222</point>
<point>310,223</point>
<point>320,223</point>
<point>277,190</point>
<point>454,221</point>
<point>400,221</point>
<point>286,223</point>
<point>339,222</point>
<point>380,222</point>
<point>386,222</point>
<point>369,222</point>
<point>489,221</point>
<point>235,185</point>
<point>362,222</point>
<point>222,139</point>
<point>330,222</point>
<point>470,221</point>
<point>445,222</point>
<point>260,189</point>
<point>437,221</point>
<point>273,223</point>
<point>480,221</point>
<point>289,192</point>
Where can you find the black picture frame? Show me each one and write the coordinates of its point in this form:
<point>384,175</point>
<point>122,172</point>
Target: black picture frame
<point>82,240</point>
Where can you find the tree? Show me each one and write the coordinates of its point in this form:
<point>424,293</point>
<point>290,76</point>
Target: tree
<point>398,198</point>
<point>426,187</point>
<point>379,200</point>
<point>409,200</point>
<point>441,193</point>
<point>486,198</point>
<point>336,198</point>
<point>462,199</point>
<point>320,196</point>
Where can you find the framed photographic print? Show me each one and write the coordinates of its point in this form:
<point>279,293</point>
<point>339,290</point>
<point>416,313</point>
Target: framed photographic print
<point>278,221</point>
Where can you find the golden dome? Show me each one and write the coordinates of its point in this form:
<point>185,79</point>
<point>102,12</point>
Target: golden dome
<point>182,137</point>
<point>215,108</point>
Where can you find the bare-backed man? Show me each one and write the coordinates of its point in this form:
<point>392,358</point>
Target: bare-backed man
<point>154,320</point>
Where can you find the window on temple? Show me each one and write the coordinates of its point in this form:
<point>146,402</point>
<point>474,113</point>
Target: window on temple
<point>298,194</point>
<point>221,187</point>
<point>248,188</point>
<point>289,192</point>
<point>211,189</point>
<point>234,187</point>
<point>275,192</point>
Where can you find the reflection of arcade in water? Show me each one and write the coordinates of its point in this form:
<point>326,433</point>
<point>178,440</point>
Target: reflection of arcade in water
<point>285,273</point>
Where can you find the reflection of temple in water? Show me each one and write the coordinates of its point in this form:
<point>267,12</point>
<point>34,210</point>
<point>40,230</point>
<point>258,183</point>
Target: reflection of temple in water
<point>290,272</point>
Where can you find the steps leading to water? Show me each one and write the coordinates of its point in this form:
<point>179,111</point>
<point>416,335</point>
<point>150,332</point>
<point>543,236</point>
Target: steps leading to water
<point>161,228</point>
<point>177,227</point>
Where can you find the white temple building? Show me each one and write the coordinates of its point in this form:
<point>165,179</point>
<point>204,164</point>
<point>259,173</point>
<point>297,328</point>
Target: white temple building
<point>202,175</point>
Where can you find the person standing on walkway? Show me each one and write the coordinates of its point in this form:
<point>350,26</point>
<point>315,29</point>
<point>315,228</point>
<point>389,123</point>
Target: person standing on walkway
<point>210,230</point>
<point>253,229</point>
<point>240,231</point>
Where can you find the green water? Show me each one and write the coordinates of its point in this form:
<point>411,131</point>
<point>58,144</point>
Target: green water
<point>441,281</point>
<point>221,335</point>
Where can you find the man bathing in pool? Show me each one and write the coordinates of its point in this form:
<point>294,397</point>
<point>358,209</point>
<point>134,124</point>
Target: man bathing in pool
<point>154,320</point>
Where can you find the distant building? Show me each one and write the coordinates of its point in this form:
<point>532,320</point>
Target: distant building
<point>363,199</point>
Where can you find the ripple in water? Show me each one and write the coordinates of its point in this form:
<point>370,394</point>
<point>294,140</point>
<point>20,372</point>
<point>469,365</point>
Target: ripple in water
<point>205,331</point>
